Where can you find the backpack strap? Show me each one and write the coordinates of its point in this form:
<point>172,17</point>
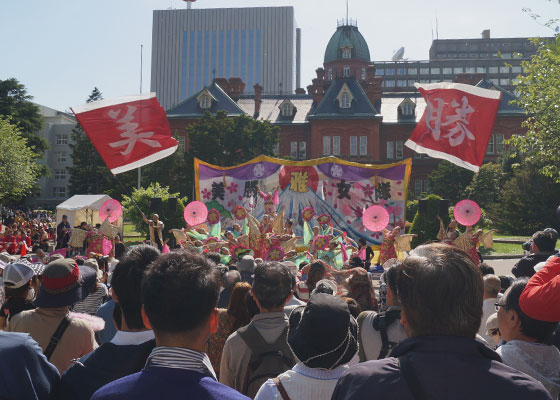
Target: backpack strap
<point>281,389</point>
<point>411,379</point>
<point>57,335</point>
<point>384,338</point>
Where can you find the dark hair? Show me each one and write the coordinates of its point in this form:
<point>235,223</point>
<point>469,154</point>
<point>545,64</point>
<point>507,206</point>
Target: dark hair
<point>302,265</point>
<point>485,269</point>
<point>117,316</point>
<point>440,290</point>
<point>272,284</point>
<point>317,271</point>
<point>216,258</point>
<point>539,330</point>
<point>505,282</point>
<point>362,242</point>
<point>180,291</point>
<point>390,274</point>
<point>127,283</point>
<point>353,306</point>
<point>545,241</point>
<point>230,278</point>
<point>237,307</point>
<point>361,289</point>
<point>20,292</point>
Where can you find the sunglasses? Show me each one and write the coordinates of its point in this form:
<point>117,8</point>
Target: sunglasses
<point>498,305</point>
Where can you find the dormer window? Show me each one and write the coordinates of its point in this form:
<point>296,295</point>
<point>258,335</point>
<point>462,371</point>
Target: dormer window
<point>346,53</point>
<point>346,71</point>
<point>406,108</point>
<point>287,108</point>
<point>205,100</point>
<point>345,101</point>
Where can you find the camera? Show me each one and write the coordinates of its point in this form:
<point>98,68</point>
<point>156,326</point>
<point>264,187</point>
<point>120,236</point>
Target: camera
<point>527,245</point>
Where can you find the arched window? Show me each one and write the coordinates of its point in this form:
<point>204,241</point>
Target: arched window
<point>363,74</point>
<point>286,110</point>
<point>330,74</point>
<point>345,100</point>
<point>205,102</point>
<point>346,71</point>
<point>346,53</point>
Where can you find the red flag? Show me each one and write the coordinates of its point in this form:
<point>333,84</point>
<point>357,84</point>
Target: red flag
<point>128,132</point>
<point>456,124</point>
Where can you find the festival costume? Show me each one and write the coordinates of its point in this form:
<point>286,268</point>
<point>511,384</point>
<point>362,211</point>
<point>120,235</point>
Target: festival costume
<point>156,240</point>
<point>388,250</point>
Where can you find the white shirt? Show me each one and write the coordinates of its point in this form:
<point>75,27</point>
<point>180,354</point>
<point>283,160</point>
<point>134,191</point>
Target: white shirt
<point>122,338</point>
<point>488,308</point>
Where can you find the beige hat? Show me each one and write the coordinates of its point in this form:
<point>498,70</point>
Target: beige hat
<point>92,263</point>
<point>492,322</point>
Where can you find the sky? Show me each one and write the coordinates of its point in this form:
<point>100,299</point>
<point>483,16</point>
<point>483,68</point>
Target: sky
<point>61,49</point>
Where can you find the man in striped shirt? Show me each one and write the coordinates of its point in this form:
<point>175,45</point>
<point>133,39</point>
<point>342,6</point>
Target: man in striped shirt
<point>180,294</point>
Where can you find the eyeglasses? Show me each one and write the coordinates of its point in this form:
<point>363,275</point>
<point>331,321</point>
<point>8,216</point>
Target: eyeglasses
<point>498,305</point>
<point>494,332</point>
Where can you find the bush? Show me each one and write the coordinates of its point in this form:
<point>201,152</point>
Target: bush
<point>411,209</point>
<point>143,196</point>
<point>426,225</point>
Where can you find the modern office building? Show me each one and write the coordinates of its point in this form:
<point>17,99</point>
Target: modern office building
<point>191,47</point>
<point>451,57</point>
<point>57,131</point>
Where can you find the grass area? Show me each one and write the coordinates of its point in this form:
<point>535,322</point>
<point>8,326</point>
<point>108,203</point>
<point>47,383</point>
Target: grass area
<point>501,236</point>
<point>130,230</point>
<point>502,248</point>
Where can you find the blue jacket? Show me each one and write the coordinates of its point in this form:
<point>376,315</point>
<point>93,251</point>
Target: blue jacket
<point>447,367</point>
<point>25,373</point>
<point>104,365</point>
<point>106,312</point>
<point>158,383</point>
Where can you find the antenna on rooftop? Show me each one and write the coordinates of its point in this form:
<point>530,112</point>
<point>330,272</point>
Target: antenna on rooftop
<point>398,55</point>
<point>346,12</point>
<point>189,3</point>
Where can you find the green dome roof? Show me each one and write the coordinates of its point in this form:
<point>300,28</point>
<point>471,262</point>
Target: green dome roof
<point>347,35</point>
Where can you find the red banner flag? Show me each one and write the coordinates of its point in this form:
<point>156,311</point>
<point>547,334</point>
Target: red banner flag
<point>128,132</point>
<point>456,124</point>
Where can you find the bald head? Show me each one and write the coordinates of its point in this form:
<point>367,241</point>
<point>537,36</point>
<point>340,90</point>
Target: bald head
<point>492,286</point>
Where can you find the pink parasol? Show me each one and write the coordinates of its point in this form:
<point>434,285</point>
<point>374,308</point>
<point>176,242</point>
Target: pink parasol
<point>466,212</point>
<point>195,213</point>
<point>375,218</point>
<point>110,209</point>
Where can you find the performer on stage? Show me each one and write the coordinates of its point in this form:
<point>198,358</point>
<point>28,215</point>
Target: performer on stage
<point>388,250</point>
<point>271,200</point>
<point>468,242</point>
<point>448,235</point>
<point>288,227</point>
<point>365,253</point>
<point>156,227</point>
<point>63,233</point>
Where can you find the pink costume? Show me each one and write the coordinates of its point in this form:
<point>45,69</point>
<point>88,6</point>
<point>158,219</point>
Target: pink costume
<point>387,248</point>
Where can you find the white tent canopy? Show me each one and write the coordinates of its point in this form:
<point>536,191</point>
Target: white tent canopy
<point>83,207</point>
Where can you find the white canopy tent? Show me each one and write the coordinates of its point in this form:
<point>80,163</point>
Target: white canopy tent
<point>84,207</point>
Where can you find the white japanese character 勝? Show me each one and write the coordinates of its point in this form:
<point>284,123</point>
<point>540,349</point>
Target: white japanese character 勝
<point>459,130</point>
<point>130,133</point>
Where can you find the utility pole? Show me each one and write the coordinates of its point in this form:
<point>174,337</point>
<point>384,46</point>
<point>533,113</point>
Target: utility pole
<point>140,168</point>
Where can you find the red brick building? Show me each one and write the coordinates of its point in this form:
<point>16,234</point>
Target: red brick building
<point>345,112</point>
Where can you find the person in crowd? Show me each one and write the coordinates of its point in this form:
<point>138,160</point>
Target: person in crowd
<point>492,287</point>
<point>294,301</point>
<point>317,271</point>
<point>246,266</point>
<point>381,332</point>
<point>105,312</point>
<point>63,233</point>
<point>26,373</point>
<point>353,306</point>
<point>440,291</point>
<point>61,337</point>
<point>366,251</point>
<point>98,292</point>
<point>322,356</point>
<point>541,296</point>
<point>229,320</point>
<point>361,289</point>
<point>524,349</point>
<point>155,227</point>
<point>493,330</point>
<point>179,295</point>
<point>229,280</point>
<point>542,247</point>
<point>485,269</point>
<point>264,337</point>
<point>128,351</point>
<point>18,278</point>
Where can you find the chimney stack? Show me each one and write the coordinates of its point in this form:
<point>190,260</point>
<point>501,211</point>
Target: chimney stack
<point>486,34</point>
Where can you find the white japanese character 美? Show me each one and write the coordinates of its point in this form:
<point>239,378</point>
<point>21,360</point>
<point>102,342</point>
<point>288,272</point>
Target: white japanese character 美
<point>131,133</point>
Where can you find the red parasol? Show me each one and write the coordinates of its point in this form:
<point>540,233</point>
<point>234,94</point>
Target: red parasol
<point>466,212</point>
<point>195,213</point>
<point>110,209</point>
<point>375,218</point>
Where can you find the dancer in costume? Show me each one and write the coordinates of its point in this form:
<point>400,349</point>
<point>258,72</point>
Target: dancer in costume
<point>271,200</point>
<point>468,242</point>
<point>388,250</point>
<point>156,227</point>
<point>288,227</point>
<point>448,235</point>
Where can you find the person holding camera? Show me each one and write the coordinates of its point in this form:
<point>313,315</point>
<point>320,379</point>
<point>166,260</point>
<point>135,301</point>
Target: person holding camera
<point>541,247</point>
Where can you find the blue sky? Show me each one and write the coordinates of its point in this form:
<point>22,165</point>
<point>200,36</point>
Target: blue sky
<point>61,49</point>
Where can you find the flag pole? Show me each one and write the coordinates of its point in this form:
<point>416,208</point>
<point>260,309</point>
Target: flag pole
<point>140,168</point>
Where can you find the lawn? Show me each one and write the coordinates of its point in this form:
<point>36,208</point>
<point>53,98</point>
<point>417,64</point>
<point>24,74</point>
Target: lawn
<point>131,237</point>
<point>502,248</point>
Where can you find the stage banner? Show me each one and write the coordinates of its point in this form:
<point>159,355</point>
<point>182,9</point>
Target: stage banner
<point>329,185</point>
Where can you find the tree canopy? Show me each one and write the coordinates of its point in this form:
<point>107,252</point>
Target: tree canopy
<point>449,181</point>
<point>18,170</point>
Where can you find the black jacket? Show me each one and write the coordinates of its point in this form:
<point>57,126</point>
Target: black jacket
<point>447,367</point>
<point>106,364</point>
<point>525,266</point>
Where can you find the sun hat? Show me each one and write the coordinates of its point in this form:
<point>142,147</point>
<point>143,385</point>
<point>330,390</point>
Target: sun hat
<point>492,322</point>
<point>92,263</point>
<point>5,259</point>
<point>17,274</point>
<point>323,334</point>
<point>64,284</point>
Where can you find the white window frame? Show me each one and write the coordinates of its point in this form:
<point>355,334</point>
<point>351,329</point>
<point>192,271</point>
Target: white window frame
<point>398,149</point>
<point>205,102</point>
<point>61,139</point>
<point>490,147</point>
<point>353,145</point>
<point>401,71</point>
<point>499,143</point>
<point>345,101</point>
<point>326,145</point>
<point>287,110</point>
<point>481,70</point>
<point>424,71</point>
<point>182,141</point>
<point>401,83</point>
<point>363,145</point>
<point>412,71</point>
<point>330,74</point>
<point>61,157</point>
<point>346,71</point>
<point>493,70</point>
<point>302,152</point>
<point>59,192</point>
<point>390,150</point>
<point>389,83</point>
<point>435,71</point>
<point>447,71</point>
<point>346,53</point>
<point>276,148</point>
<point>336,145</point>
<point>407,109</point>
<point>363,74</point>
<point>294,149</point>
<point>59,174</point>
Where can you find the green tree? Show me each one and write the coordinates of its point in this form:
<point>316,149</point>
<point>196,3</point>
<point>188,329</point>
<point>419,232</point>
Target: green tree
<point>426,225</point>
<point>485,186</point>
<point>88,173</point>
<point>450,181</point>
<point>18,170</point>
<point>539,95</point>
<point>173,219</point>
<point>171,171</point>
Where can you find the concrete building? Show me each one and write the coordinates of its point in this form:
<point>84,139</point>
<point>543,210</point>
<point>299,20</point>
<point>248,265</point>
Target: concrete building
<point>191,47</point>
<point>451,57</point>
<point>57,131</point>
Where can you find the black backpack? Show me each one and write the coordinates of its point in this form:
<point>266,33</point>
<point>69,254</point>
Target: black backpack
<point>268,360</point>
<point>380,323</point>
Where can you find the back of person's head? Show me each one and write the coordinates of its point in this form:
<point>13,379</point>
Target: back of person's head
<point>553,232</point>
<point>126,282</point>
<point>216,258</point>
<point>440,290</point>
<point>272,284</point>
<point>362,242</point>
<point>237,307</point>
<point>485,269</point>
<point>390,274</point>
<point>505,282</point>
<point>353,306</point>
<point>492,285</point>
<point>316,272</point>
<point>538,330</point>
<point>230,278</point>
<point>180,291</point>
<point>302,265</point>
<point>544,241</point>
